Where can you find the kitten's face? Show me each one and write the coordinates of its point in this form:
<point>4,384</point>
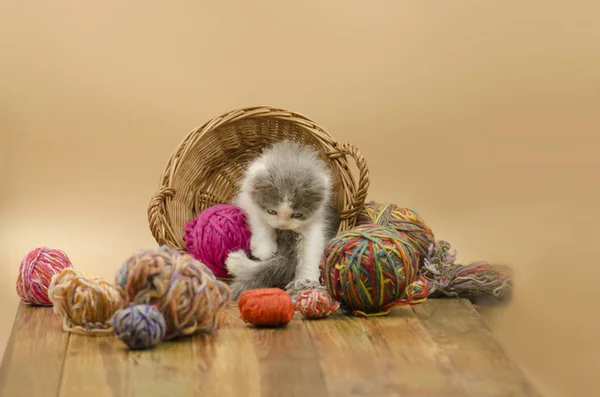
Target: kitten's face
<point>288,202</point>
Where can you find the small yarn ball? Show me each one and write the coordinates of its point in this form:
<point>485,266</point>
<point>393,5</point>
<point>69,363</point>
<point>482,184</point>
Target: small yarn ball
<point>316,303</point>
<point>372,268</point>
<point>293,288</point>
<point>184,290</point>
<point>399,219</point>
<point>266,307</point>
<point>139,326</point>
<point>85,302</point>
<point>214,233</point>
<point>35,274</point>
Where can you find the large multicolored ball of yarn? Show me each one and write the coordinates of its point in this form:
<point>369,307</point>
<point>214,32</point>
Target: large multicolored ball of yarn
<point>214,233</point>
<point>372,268</point>
<point>399,219</point>
<point>182,288</point>
<point>35,274</point>
<point>139,326</point>
<point>85,302</point>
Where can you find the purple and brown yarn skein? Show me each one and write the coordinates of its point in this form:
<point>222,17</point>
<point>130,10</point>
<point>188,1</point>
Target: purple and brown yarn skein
<point>184,290</point>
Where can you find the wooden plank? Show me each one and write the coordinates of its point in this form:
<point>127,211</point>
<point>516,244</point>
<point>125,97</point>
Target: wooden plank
<point>351,364</point>
<point>419,367</point>
<point>438,348</point>
<point>103,366</point>
<point>34,355</point>
<point>165,371</point>
<point>225,361</point>
<point>288,361</point>
<point>239,359</point>
<point>94,367</point>
<point>476,360</point>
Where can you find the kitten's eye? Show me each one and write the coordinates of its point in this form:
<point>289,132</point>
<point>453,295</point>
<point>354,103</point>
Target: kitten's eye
<point>296,215</point>
<point>272,212</point>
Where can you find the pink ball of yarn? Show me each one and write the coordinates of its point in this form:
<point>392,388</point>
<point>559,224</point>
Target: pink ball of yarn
<point>214,233</point>
<point>36,272</point>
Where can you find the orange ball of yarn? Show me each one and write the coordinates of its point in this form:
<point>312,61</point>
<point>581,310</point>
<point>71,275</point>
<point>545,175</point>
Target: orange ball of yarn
<point>266,307</point>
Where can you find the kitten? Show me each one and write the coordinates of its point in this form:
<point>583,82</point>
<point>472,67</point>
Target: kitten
<point>288,195</point>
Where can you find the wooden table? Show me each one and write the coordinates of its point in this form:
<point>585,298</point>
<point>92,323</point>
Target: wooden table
<point>438,348</point>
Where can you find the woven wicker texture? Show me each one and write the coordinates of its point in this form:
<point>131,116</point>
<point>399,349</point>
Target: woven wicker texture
<point>206,166</point>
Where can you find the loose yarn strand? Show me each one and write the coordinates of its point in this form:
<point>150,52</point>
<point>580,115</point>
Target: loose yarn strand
<point>478,280</point>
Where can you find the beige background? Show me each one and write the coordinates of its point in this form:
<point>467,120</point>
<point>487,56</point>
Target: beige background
<point>483,116</point>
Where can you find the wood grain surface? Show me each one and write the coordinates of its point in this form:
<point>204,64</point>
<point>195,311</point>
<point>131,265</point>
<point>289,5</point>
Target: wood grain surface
<point>437,348</point>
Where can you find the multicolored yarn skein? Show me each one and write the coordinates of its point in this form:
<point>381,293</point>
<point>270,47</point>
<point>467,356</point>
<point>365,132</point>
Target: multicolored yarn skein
<point>35,274</point>
<point>476,281</point>
<point>372,268</point>
<point>399,219</point>
<point>311,299</point>
<point>139,326</point>
<point>266,307</point>
<point>85,302</point>
<point>316,303</point>
<point>214,233</point>
<point>182,288</point>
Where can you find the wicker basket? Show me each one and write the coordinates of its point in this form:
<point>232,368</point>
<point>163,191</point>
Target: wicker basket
<point>205,167</point>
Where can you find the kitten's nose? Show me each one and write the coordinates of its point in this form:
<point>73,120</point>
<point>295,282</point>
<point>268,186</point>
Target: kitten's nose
<point>282,223</point>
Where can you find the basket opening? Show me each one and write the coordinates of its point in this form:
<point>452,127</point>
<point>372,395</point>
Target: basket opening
<point>210,165</point>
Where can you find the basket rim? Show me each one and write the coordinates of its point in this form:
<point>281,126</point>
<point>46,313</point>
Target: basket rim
<point>335,151</point>
<point>237,115</point>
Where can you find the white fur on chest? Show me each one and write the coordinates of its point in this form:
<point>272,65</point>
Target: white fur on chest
<point>310,250</point>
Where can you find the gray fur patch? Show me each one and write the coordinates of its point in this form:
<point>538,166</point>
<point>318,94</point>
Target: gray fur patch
<point>276,272</point>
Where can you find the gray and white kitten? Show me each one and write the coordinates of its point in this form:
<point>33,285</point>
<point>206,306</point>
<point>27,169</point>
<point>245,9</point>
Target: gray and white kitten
<point>287,193</point>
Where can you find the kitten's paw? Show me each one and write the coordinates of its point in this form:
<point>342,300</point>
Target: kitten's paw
<point>262,249</point>
<point>307,277</point>
<point>236,262</point>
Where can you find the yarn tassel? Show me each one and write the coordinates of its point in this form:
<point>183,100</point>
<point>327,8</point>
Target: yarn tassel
<point>476,281</point>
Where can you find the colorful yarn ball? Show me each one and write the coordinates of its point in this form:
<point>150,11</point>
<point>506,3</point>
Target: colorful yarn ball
<point>399,219</point>
<point>184,290</point>
<point>372,268</point>
<point>316,303</point>
<point>139,326</point>
<point>85,302</point>
<point>35,274</point>
<point>216,232</point>
<point>266,307</point>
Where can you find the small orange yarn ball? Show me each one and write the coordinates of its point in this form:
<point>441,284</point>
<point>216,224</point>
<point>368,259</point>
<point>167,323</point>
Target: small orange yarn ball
<point>266,307</point>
